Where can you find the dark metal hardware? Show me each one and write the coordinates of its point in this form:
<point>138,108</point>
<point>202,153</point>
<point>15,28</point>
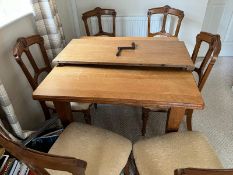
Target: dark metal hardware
<point>133,47</point>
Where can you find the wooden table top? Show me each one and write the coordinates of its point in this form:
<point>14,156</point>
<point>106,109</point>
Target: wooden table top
<point>150,52</point>
<point>160,88</point>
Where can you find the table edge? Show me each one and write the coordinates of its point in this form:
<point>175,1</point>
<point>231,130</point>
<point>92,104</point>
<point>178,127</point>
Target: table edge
<point>130,102</point>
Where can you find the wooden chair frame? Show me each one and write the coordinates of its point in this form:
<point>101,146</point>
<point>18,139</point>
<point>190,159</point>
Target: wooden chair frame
<point>23,46</point>
<point>207,64</point>
<point>197,171</point>
<point>99,12</point>
<point>203,72</point>
<point>166,10</point>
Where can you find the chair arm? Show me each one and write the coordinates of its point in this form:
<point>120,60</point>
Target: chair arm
<point>197,171</point>
<point>45,126</point>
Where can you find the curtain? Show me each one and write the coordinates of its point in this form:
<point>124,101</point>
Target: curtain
<point>12,119</point>
<point>49,26</point>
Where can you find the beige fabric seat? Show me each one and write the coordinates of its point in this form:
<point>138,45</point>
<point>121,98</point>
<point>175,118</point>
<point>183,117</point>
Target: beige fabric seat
<point>105,152</point>
<point>74,105</point>
<point>162,155</point>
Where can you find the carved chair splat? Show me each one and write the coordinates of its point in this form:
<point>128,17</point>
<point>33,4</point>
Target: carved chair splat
<point>99,12</point>
<point>165,11</point>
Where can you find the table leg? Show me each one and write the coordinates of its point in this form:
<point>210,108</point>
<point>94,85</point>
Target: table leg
<point>64,112</point>
<point>175,116</point>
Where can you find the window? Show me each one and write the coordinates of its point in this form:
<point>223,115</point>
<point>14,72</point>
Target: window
<point>11,10</point>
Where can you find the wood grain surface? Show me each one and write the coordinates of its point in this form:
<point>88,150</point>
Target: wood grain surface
<point>152,87</point>
<point>149,52</point>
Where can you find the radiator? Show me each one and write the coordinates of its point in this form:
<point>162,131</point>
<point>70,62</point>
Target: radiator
<point>129,26</point>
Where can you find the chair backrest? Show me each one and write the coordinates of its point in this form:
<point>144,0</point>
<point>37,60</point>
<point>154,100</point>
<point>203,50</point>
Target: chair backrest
<point>196,171</point>
<point>99,12</point>
<point>210,58</point>
<point>38,161</point>
<point>165,11</point>
<point>23,46</point>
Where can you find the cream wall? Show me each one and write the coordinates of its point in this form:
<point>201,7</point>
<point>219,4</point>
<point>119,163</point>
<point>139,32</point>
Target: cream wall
<point>191,26</point>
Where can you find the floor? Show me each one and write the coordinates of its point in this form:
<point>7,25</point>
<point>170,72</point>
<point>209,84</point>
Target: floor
<point>215,121</point>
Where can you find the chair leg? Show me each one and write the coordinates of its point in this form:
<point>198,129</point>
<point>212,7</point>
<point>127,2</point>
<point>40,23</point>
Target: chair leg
<point>189,114</point>
<point>45,110</point>
<point>87,116</point>
<point>145,116</point>
<point>126,168</point>
<point>135,167</point>
<point>95,105</point>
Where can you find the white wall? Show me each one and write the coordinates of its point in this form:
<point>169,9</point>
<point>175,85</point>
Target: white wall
<point>191,26</point>
<point>219,19</point>
<point>67,19</point>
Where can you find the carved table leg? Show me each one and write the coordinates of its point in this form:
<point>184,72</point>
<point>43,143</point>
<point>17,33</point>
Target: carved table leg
<point>175,116</point>
<point>64,112</point>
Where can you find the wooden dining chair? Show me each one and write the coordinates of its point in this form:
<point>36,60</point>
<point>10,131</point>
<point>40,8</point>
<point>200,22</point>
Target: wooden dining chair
<point>80,149</point>
<point>203,72</point>
<point>199,171</point>
<point>164,154</point>
<point>23,46</point>
<point>165,11</point>
<point>99,12</point>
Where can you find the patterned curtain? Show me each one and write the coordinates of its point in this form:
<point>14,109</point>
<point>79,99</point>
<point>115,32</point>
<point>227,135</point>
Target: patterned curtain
<point>49,26</point>
<point>11,117</point>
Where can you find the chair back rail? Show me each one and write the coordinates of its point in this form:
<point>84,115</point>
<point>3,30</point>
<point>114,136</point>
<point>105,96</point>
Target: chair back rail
<point>210,58</point>
<point>196,171</point>
<point>165,11</point>
<point>38,161</point>
<point>99,12</point>
<point>23,46</point>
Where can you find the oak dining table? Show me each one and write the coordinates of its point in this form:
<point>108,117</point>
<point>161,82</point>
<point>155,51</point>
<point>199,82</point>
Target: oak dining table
<point>157,73</point>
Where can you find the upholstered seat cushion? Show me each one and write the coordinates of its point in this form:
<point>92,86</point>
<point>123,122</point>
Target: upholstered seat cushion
<point>162,155</point>
<point>105,152</point>
<point>74,105</point>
